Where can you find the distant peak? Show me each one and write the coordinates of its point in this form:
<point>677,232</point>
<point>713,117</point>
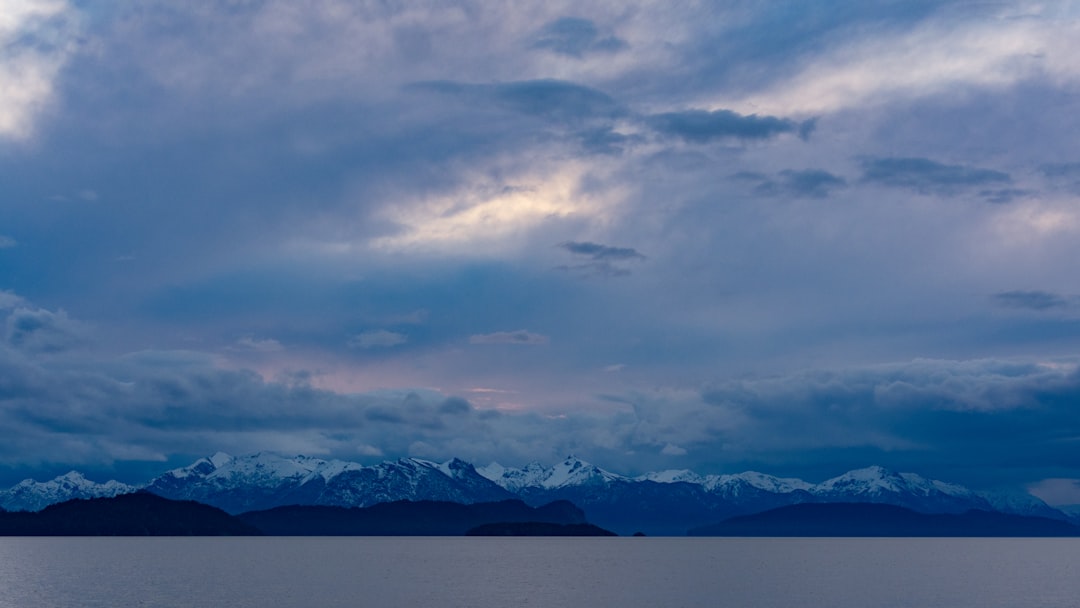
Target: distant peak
<point>872,471</point>
<point>573,460</point>
<point>220,459</point>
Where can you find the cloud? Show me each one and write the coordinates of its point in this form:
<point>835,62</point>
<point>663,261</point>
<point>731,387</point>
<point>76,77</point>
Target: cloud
<point>455,406</point>
<point>576,37</point>
<point>1003,196</point>
<point>927,176</point>
<point>368,450</point>
<point>1031,300</point>
<point>520,336</point>
<point>807,183</point>
<point>597,251</point>
<point>1065,175</point>
<point>10,300</point>
<point>43,331</point>
<point>37,38</point>
<point>895,61</point>
<point>377,338</point>
<point>1068,170</point>
<point>6,242</point>
<point>265,345</point>
<point>950,419</point>
<point>963,421</point>
<point>604,260</point>
<point>702,126</point>
<point>554,100</point>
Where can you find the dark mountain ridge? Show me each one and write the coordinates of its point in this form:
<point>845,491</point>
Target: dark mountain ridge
<point>136,514</point>
<point>405,518</point>
<point>659,503</point>
<point>881,520</point>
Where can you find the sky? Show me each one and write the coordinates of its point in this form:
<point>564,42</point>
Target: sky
<point>792,237</point>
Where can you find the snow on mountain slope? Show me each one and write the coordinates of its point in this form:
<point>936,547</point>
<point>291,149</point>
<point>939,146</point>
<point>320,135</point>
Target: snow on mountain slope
<point>672,476</point>
<point>570,472</point>
<point>514,480</point>
<point>755,491</point>
<point>266,480</point>
<point>734,484</point>
<point>576,472</point>
<point>878,484</point>
<point>30,495</point>
<point>1022,503</point>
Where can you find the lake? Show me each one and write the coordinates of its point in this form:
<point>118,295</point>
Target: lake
<point>490,572</point>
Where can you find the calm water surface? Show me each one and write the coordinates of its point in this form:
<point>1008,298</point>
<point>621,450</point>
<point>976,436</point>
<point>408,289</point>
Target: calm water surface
<point>490,572</point>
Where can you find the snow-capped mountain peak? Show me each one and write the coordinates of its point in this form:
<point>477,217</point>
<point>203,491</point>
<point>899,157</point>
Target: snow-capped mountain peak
<point>770,483</point>
<point>570,472</point>
<point>512,479</point>
<point>30,495</point>
<point>869,480</point>
<point>1022,503</point>
<point>220,459</point>
<point>672,476</point>
<point>265,480</point>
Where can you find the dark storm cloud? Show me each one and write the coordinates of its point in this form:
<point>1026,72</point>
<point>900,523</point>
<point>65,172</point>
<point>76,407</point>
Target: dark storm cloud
<point>956,420</point>
<point>927,176</point>
<point>143,409</point>
<point>576,37</point>
<point>1031,300</point>
<point>808,183</point>
<point>702,126</point>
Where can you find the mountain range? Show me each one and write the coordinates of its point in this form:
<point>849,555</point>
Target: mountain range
<point>664,502</point>
<point>141,513</point>
<point>878,520</point>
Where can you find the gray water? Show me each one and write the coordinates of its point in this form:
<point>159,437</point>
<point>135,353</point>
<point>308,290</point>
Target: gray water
<point>489,572</point>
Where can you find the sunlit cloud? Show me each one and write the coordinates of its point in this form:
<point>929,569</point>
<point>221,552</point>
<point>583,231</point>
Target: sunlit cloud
<point>495,215</point>
<point>1037,220</point>
<point>931,59</point>
<point>37,37</point>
